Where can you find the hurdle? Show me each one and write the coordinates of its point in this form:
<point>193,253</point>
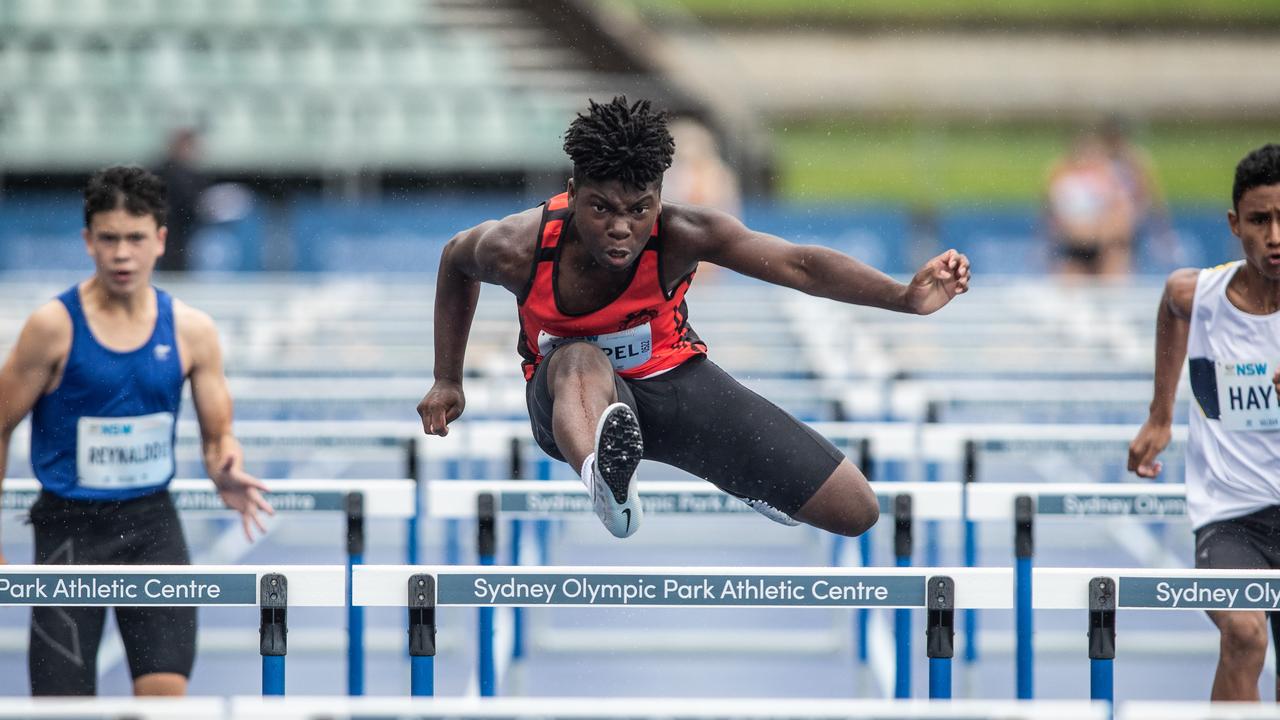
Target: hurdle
<point>543,708</point>
<point>356,499</point>
<point>904,501</point>
<point>273,589</point>
<point>975,440</point>
<point>1105,593</point>
<point>551,708</point>
<point>1198,711</point>
<point>107,708</point>
<point>422,589</point>
<point>1022,502</point>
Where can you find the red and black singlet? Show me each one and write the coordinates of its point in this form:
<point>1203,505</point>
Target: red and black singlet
<point>644,331</point>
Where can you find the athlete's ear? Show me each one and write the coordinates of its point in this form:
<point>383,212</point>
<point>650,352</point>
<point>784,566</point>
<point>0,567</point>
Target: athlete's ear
<point>1233,221</point>
<point>162,234</point>
<point>88,242</point>
<point>569,188</point>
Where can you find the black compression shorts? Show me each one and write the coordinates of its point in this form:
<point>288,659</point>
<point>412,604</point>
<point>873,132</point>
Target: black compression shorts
<point>63,650</point>
<point>699,419</point>
<point>1250,542</point>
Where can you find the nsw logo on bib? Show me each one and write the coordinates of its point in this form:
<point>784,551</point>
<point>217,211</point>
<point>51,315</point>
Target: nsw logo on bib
<point>627,349</point>
<point>1247,397</point>
<point>124,452</point>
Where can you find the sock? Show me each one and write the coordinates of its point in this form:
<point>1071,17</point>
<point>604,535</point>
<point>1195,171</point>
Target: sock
<point>588,471</point>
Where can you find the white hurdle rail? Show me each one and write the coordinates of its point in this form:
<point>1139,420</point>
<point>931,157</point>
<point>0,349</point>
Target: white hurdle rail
<point>542,708</point>
<point>558,498</point>
<point>357,499</point>
<point>1199,711</point>
<point>107,708</point>
<point>550,708</point>
<point>422,589</point>
<point>273,588</point>
<point>381,498</point>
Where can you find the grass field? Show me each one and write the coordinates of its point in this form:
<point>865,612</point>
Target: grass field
<point>844,159</point>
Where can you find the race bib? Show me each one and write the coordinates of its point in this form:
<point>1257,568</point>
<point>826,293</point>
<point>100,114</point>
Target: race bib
<point>124,452</point>
<point>1247,397</point>
<point>628,349</point>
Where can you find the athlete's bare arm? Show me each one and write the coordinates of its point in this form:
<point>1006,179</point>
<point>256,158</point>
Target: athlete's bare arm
<point>32,370</point>
<point>1173,324</point>
<point>698,233</point>
<point>223,458</point>
<point>499,252</point>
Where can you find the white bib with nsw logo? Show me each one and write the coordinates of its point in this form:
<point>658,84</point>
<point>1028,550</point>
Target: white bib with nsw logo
<point>124,452</point>
<point>626,349</point>
<point>1247,397</point>
<point>1233,460</point>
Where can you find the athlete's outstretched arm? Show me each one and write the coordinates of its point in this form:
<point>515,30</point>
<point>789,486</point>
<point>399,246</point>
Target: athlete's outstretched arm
<point>457,292</point>
<point>30,370</point>
<point>223,456</point>
<point>824,272</point>
<point>1173,325</point>
<point>487,253</point>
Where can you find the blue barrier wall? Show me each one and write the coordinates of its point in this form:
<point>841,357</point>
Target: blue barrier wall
<point>42,232</point>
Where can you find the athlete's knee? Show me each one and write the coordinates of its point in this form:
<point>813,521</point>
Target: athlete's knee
<point>1244,637</point>
<point>577,360</point>
<point>845,504</point>
<point>864,514</point>
<point>162,684</point>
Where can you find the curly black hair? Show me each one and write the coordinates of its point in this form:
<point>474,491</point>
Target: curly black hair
<point>126,186</point>
<point>620,141</point>
<point>1258,168</point>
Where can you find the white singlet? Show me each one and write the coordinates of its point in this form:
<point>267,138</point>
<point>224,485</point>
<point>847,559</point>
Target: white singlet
<point>1233,448</point>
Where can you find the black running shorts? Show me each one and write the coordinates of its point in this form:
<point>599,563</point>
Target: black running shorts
<point>699,419</point>
<point>63,650</point>
<point>1249,542</point>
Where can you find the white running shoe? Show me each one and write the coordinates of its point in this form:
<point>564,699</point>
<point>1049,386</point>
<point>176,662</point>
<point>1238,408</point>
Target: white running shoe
<point>769,511</point>
<point>619,448</point>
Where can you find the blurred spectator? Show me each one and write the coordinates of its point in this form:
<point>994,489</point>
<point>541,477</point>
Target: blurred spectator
<point>1090,211</point>
<point>1137,173</point>
<point>698,174</point>
<point>186,183</point>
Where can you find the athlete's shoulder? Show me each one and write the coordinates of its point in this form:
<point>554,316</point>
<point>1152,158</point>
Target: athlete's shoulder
<point>517,228</point>
<point>695,223</point>
<point>1180,290</point>
<point>195,328</point>
<point>498,251</point>
<point>45,337</point>
<point>189,319</point>
<point>49,323</point>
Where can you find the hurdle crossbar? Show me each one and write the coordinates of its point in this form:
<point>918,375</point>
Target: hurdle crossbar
<point>271,588</point>
<point>389,498</point>
<point>488,587</point>
<point>250,708</point>
<point>558,498</point>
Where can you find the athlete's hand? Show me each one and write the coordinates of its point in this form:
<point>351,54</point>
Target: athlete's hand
<point>442,404</point>
<point>242,492</point>
<point>939,280</point>
<point>1150,442</point>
